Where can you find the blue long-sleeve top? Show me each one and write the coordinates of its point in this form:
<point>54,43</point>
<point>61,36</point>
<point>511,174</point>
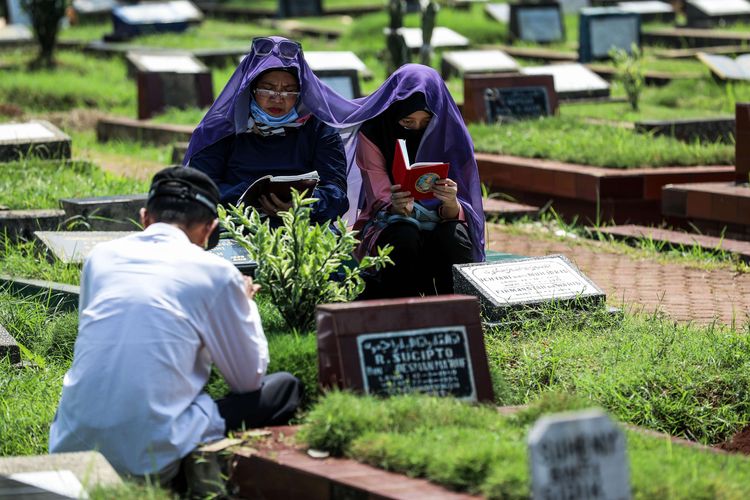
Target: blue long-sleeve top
<point>237,161</point>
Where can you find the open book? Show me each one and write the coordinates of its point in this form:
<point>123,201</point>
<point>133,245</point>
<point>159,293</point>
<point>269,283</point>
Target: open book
<point>726,68</point>
<point>280,185</point>
<point>416,178</point>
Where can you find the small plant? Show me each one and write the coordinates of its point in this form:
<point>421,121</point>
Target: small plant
<point>301,265</point>
<point>629,70</point>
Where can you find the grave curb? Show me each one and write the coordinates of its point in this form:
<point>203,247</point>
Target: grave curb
<point>66,296</point>
<point>128,129</point>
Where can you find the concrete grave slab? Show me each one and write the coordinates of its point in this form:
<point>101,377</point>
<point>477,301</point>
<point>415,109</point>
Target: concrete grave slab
<point>8,347</point>
<point>650,10</point>
<point>573,6</point>
<point>21,224</point>
<point>714,13</point>
<point>94,9</point>
<point>63,296</point>
<point>603,28</point>
<point>34,138</point>
<point>515,285</point>
<point>15,34</point>
<point>72,247</point>
<point>89,467</point>
<point>476,61</point>
<point>106,213</point>
<point>155,17</point>
<point>572,80</point>
<point>725,68</point>
<point>578,455</point>
<point>442,37</point>
<point>334,59</point>
<point>500,12</point>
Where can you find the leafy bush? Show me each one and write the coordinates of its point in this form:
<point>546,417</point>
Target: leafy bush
<point>629,71</point>
<point>301,265</point>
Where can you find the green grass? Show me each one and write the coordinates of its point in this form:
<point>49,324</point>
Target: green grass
<point>568,140</point>
<point>474,449</point>
<point>40,184</point>
<point>22,259</point>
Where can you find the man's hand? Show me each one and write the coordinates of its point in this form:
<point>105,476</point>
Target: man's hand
<point>272,204</point>
<point>250,288</point>
<point>402,202</point>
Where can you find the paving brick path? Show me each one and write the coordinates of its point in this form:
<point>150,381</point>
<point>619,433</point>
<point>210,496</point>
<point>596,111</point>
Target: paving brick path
<point>684,293</point>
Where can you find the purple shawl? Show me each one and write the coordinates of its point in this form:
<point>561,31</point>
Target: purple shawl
<point>445,139</point>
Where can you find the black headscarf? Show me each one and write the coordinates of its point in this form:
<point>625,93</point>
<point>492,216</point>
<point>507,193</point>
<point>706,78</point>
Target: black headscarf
<point>384,129</point>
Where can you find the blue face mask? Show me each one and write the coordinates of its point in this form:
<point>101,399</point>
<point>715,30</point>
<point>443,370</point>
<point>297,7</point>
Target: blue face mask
<point>261,116</point>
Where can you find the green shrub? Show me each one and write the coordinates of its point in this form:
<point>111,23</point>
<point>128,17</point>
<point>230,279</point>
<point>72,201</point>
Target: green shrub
<point>629,71</point>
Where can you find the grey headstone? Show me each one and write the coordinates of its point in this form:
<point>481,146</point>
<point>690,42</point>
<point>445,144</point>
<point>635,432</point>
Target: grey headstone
<point>600,29</point>
<point>578,455</point>
<point>442,37</point>
<point>105,213</point>
<point>477,61</point>
<point>721,7</point>
<point>89,467</point>
<point>573,6</point>
<point>37,138</point>
<point>8,347</point>
<point>21,224</point>
<point>537,22</point>
<point>64,297</point>
<point>572,80</point>
<point>72,247</point>
<point>513,285</point>
<point>500,12</point>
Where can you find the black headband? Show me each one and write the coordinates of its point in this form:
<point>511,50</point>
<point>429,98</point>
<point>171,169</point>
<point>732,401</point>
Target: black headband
<point>184,191</point>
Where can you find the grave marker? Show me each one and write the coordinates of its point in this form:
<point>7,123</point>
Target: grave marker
<point>34,138</point>
<point>339,70</point>
<point>573,6</point>
<point>8,347</point>
<point>300,8</point>
<point>603,28</point>
<point>572,80</point>
<point>165,80</point>
<point>742,142</point>
<point>388,347</point>
<point>15,34</point>
<point>650,11</point>
<point>578,455</point>
<point>500,12</point>
<point>464,62</point>
<point>231,250</point>
<point>157,17</point>
<point>726,68</point>
<point>106,213</point>
<point>89,467</point>
<point>712,13</point>
<point>94,9</point>
<point>516,285</point>
<point>484,96</point>
<point>538,22</point>
<point>442,37</point>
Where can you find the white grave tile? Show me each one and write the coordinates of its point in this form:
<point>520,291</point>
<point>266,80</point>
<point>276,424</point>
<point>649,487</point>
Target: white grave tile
<point>500,12</point>
<point>441,37</point>
<point>170,63</point>
<point>167,12</point>
<point>94,6</point>
<point>649,7</point>
<point>24,132</point>
<point>15,33</point>
<point>578,455</point>
<point>334,60</point>
<point>721,7</point>
<point>481,61</point>
<point>570,77</point>
<point>62,482</point>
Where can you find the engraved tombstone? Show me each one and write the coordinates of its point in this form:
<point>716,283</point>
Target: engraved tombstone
<point>496,97</point>
<point>464,62</point>
<point>386,347</point>
<point>578,455</point>
<point>713,13</point>
<point>300,8</point>
<point>572,80</point>
<point>34,138</point>
<point>603,28</point>
<point>231,250</point>
<point>537,22</point>
<point>515,285</point>
<point>177,80</point>
<point>105,213</point>
<point>154,17</point>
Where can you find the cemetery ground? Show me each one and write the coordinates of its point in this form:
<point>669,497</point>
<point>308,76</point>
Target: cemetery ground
<point>675,360</point>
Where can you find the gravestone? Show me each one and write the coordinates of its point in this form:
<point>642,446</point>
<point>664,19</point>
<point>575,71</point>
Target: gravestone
<point>37,138</point>
<point>157,17</point>
<point>573,6</point>
<point>339,70</point>
<point>725,68</point>
<point>742,142</point>
<point>177,80</point>
<point>572,80</point>
<point>650,11</point>
<point>603,28</point>
<point>300,8</point>
<point>21,224</point>
<point>579,455</point>
<point>465,62</point>
<point>93,9</point>
<point>90,468</point>
<point>105,213</point>
<point>61,296</point>
<point>442,37</point>
<point>9,348</point>
<point>514,103</point>
<point>485,94</point>
<point>388,347</point>
<point>500,12</point>
<point>15,34</point>
<point>537,22</point>
<point>231,250</point>
<point>517,285</point>
<point>713,13</point>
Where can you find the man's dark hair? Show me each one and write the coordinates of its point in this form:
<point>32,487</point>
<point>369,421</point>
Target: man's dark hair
<point>182,195</point>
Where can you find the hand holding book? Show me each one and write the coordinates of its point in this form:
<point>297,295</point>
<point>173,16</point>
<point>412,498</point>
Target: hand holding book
<point>418,178</point>
<point>274,193</point>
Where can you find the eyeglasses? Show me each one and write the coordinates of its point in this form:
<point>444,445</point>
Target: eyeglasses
<point>287,49</point>
<point>269,94</point>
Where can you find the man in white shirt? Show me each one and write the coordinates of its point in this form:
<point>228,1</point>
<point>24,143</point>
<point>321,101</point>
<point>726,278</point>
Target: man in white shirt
<point>156,311</point>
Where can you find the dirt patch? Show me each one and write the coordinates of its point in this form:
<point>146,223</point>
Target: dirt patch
<point>78,120</point>
<point>10,110</point>
<point>740,442</point>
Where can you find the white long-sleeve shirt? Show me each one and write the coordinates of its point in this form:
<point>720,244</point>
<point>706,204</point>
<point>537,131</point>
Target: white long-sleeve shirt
<point>155,311</point>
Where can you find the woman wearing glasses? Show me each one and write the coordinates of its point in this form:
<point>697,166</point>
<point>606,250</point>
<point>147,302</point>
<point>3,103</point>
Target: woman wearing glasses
<point>260,125</point>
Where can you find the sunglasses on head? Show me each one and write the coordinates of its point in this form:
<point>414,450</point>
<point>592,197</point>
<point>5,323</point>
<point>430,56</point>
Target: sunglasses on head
<point>287,49</point>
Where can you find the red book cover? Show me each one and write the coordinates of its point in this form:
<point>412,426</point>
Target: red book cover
<point>416,178</point>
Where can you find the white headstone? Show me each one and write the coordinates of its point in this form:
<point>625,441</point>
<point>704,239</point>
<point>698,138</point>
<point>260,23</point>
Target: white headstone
<point>578,455</point>
<point>441,37</point>
<point>500,12</point>
<point>170,63</point>
<point>16,132</point>
<point>649,7</point>
<point>721,7</point>
<point>481,61</point>
<point>165,12</point>
<point>570,77</point>
<point>94,6</point>
<point>334,60</point>
<point>12,33</point>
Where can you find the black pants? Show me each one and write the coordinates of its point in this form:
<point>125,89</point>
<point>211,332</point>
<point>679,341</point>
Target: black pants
<point>423,260</point>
